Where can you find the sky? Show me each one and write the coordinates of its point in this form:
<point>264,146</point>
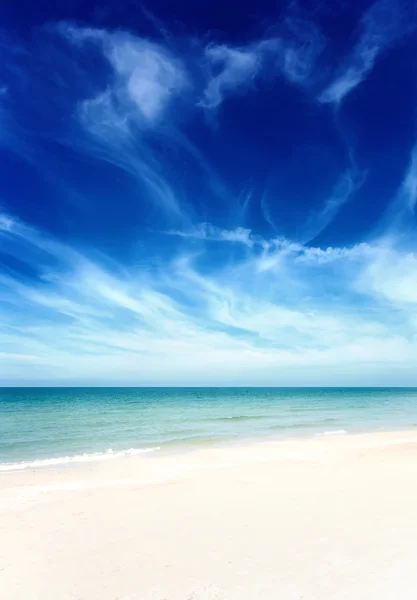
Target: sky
<point>208,193</point>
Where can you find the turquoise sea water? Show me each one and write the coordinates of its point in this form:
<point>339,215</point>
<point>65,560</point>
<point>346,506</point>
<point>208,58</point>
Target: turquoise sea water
<point>55,425</point>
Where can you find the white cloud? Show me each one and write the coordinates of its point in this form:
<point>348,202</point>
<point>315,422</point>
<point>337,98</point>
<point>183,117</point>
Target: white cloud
<point>298,50</point>
<point>261,319</point>
<point>392,275</point>
<point>382,24</point>
<point>146,77</point>
<point>353,75</point>
<point>6,223</point>
<point>408,190</point>
<point>236,70</point>
<point>272,249</point>
<point>399,219</point>
<point>206,231</point>
<point>346,186</point>
<point>145,81</point>
<point>326,255</point>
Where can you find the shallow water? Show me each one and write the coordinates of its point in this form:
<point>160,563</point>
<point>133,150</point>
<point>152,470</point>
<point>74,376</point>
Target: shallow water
<point>58,425</point>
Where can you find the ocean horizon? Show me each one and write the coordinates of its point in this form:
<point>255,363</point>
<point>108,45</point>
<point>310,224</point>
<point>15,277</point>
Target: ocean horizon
<point>61,425</point>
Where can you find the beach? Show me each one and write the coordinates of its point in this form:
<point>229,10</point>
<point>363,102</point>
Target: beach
<point>318,518</point>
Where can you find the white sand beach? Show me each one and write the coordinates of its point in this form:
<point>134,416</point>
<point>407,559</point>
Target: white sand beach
<point>332,517</point>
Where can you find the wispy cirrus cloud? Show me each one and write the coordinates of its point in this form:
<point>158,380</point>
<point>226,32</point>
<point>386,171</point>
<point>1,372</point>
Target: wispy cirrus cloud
<point>408,190</point>
<point>300,47</point>
<point>392,275</point>
<point>346,186</point>
<point>136,109</point>
<point>6,223</point>
<point>383,24</point>
<point>291,54</point>
<point>102,94</point>
<point>270,252</point>
<point>145,80</point>
<point>236,70</point>
<point>208,232</point>
<point>141,108</point>
<point>398,221</point>
<point>210,301</point>
<point>146,77</point>
<point>261,314</point>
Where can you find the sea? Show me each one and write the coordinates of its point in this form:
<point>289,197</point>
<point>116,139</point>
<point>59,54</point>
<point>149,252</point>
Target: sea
<point>53,426</point>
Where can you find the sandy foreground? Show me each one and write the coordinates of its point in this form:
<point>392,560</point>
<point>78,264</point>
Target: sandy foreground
<point>331,517</point>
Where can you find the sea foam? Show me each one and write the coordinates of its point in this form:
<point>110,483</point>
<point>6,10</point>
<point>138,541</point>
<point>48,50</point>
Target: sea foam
<point>77,458</point>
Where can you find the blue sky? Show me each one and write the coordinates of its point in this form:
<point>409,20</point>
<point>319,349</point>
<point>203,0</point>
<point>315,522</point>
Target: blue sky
<point>209,193</point>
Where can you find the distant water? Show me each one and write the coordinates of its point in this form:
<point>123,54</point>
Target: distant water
<point>60,425</point>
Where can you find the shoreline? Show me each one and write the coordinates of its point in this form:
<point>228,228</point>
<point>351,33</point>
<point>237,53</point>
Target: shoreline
<point>174,448</point>
<point>182,460</point>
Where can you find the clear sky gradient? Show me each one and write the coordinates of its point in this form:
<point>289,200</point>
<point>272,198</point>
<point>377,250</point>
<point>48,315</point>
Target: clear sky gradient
<point>208,193</point>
